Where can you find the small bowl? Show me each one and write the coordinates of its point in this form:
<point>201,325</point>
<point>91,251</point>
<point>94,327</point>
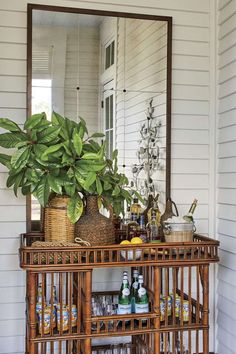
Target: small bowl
<point>131,255</point>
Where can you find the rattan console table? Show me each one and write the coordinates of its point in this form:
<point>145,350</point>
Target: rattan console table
<point>179,270</point>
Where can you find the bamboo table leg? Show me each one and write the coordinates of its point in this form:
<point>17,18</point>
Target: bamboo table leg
<point>157,321</point>
<point>32,312</point>
<point>205,320</point>
<point>87,309</point>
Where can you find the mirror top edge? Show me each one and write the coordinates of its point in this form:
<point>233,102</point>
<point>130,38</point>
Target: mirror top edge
<point>85,11</point>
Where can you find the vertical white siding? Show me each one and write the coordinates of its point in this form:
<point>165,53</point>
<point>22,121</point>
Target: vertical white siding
<point>226,197</point>
<point>190,127</point>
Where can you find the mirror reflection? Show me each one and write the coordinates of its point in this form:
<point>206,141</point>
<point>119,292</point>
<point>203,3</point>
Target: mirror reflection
<point>112,72</point>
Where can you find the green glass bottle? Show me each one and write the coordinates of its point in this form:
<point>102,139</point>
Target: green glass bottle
<point>124,299</point>
<point>189,216</point>
<point>141,298</point>
<point>134,289</point>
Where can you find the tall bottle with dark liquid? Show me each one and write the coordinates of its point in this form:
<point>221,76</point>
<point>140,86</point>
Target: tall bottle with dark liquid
<point>189,217</point>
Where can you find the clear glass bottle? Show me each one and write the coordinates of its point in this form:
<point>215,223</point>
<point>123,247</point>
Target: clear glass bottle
<point>152,228</point>
<point>189,216</point>
<point>141,297</point>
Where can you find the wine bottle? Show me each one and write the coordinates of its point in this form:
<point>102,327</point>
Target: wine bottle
<point>141,297</point>
<point>189,216</point>
<point>124,299</point>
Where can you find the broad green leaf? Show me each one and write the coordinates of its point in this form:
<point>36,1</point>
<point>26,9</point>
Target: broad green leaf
<point>66,159</point>
<point>89,180</point>
<point>116,191</point>
<point>107,186</point>
<point>18,181</point>
<point>97,135</point>
<point>114,154</point>
<point>25,190</point>
<point>95,146</point>
<point>39,149</point>
<point>102,151</point>
<point>12,178</point>
<point>21,157</point>
<point>77,142</point>
<point>99,186</point>
<point>42,191</point>
<point>83,123</point>
<point>91,156</point>
<point>70,189</point>
<point>10,140</point>
<point>126,195</point>
<point>67,147</point>
<point>50,150</point>
<point>54,185</point>
<point>8,124</point>
<point>89,165</point>
<point>5,160</point>
<point>48,135</point>
<point>75,208</point>
<point>34,120</point>
<point>79,177</point>
<point>57,119</point>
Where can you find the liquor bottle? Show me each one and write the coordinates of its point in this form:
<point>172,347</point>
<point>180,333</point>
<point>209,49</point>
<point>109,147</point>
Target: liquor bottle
<point>135,209</point>
<point>148,207</point>
<point>141,297</point>
<point>124,299</point>
<point>152,227</point>
<point>134,289</point>
<point>189,216</point>
<point>142,228</point>
<point>155,208</point>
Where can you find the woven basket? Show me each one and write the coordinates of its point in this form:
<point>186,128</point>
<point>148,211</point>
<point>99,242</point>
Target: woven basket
<point>94,227</point>
<point>57,226</point>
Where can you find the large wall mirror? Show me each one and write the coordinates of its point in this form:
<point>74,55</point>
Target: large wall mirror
<point>114,70</point>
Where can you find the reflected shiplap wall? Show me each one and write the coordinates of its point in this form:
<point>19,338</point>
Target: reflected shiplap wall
<point>226,198</point>
<point>191,175</point>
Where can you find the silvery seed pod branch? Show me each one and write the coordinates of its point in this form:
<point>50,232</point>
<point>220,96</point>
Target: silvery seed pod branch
<point>148,154</point>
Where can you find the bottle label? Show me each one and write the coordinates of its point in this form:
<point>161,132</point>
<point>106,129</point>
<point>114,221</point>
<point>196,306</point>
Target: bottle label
<point>141,308</point>
<point>125,292</point>
<point>124,309</point>
<point>142,291</point>
<point>135,285</point>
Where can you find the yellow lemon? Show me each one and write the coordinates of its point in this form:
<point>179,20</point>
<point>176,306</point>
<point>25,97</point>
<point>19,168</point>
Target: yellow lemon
<point>136,240</point>
<point>125,242</point>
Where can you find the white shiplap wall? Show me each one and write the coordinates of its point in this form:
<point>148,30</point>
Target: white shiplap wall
<point>190,127</point>
<point>226,182</point>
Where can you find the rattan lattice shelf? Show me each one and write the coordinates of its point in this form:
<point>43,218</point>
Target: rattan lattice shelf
<point>201,250</point>
<point>180,270</point>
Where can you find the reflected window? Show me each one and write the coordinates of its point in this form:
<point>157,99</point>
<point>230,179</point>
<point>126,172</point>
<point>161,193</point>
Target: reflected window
<point>110,55</point>
<point>109,124</point>
<point>42,96</point>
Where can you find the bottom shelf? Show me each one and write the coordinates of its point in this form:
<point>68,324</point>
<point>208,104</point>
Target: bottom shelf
<point>178,342</point>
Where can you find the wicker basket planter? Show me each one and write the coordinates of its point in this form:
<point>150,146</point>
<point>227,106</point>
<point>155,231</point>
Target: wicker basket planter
<point>94,227</point>
<point>57,226</point>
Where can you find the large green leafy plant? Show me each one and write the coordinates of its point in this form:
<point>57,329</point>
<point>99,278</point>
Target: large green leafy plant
<point>58,156</point>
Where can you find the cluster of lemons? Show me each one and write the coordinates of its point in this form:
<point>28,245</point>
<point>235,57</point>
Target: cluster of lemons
<point>134,241</point>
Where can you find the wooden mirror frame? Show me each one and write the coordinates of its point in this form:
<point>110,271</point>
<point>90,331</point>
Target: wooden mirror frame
<point>31,7</point>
